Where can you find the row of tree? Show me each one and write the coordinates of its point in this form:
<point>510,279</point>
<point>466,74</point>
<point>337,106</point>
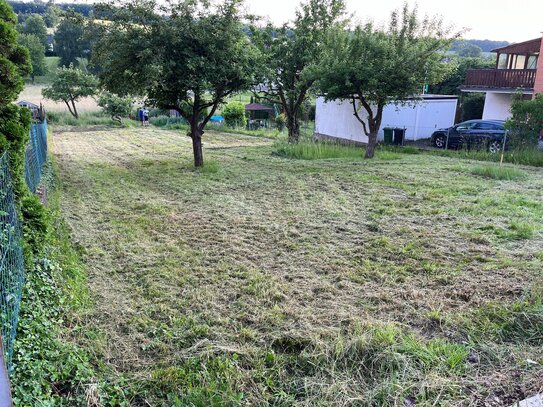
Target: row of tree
<point>191,56</point>
<point>71,42</point>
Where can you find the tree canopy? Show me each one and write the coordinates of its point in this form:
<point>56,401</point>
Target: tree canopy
<point>69,86</point>
<point>291,53</point>
<point>526,120</point>
<point>373,66</point>
<point>35,25</point>
<point>188,57</point>
<point>37,54</point>
<point>69,39</point>
<point>115,106</point>
<point>14,58</point>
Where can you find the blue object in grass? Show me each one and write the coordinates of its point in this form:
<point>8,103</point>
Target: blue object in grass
<point>216,119</point>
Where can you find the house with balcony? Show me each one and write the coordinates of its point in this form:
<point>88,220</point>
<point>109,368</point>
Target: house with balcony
<point>519,68</point>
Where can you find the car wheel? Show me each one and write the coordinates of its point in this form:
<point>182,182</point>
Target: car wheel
<point>440,141</point>
<point>495,146</point>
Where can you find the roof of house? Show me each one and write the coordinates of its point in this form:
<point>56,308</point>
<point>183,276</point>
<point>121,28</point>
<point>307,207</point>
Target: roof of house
<point>525,47</point>
<point>257,107</point>
<point>26,103</point>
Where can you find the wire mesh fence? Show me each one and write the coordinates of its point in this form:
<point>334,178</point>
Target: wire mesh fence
<point>12,263</point>
<point>36,154</point>
<point>12,271</point>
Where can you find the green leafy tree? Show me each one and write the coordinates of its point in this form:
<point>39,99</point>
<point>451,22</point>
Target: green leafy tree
<point>15,126</point>
<point>373,66</point>
<point>188,57</point>
<point>234,114</point>
<point>70,43</point>
<point>37,54</point>
<point>14,58</point>
<point>291,52</point>
<point>69,86</point>
<point>35,25</point>
<point>470,51</point>
<point>115,106</point>
<point>52,14</point>
<point>526,122</point>
<point>456,77</point>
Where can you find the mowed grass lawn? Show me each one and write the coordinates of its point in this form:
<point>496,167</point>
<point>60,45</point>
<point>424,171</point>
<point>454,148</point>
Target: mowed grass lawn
<point>262,280</point>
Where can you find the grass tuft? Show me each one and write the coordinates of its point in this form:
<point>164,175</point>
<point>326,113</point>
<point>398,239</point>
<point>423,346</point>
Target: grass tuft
<point>500,173</point>
<point>317,151</point>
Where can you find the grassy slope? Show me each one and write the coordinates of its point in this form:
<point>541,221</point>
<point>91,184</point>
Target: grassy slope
<point>263,279</point>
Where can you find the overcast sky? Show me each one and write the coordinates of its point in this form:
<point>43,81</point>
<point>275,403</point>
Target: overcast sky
<point>509,20</point>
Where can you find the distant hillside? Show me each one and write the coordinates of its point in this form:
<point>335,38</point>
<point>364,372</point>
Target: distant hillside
<point>38,7</point>
<point>485,45</point>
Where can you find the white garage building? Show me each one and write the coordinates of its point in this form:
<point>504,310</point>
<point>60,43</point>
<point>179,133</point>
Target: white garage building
<point>420,118</point>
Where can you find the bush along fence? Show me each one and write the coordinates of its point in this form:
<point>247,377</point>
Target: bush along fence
<point>12,271</point>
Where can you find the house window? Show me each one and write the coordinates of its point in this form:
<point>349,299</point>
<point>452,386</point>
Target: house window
<point>519,62</point>
<point>502,61</point>
<point>532,62</point>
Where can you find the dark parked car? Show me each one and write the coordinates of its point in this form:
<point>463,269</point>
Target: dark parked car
<point>486,134</point>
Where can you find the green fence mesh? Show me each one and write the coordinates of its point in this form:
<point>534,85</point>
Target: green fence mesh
<point>36,154</point>
<point>12,264</point>
<point>12,271</point>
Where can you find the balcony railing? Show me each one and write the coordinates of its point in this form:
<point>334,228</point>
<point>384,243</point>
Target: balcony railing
<point>500,78</point>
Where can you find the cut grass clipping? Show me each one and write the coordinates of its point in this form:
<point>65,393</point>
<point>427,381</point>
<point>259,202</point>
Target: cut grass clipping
<point>500,173</point>
<point>264,281</point>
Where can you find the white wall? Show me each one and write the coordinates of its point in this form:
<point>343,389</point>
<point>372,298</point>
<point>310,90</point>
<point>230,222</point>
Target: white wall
<point>497,106</point>
<point>421,119</point>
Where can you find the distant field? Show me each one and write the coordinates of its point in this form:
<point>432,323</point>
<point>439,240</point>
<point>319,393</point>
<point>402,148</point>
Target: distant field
<point>32,93</point>
<point>262,280</point>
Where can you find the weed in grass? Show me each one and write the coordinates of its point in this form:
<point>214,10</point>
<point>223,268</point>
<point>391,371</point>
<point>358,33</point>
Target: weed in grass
<point>500,173</point>
<point>387,155</point>
<point>210,167</point>
<point>521,321</point>
<point>517,230</point>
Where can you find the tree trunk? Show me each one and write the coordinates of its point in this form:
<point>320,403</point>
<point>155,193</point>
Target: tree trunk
<point>293,129</point>
<point>372,143</point>
<point>196,136</point>
<point>76,115</point>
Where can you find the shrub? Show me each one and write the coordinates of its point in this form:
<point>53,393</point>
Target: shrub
<point>168,122</point>
<point>115,106</point>
<point>281,121</point>
<point>526,122</point>
<point>234,114</point>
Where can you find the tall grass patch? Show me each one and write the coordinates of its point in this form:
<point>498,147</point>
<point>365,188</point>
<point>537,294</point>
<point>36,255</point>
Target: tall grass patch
<point>317,151</point>
<point>526,156</point>
<point>86,119</point>
<point>500,173</point>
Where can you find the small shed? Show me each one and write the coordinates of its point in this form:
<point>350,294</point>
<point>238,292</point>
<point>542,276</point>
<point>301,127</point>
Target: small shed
<point>35,110</point>
<point>259,115</point>
<point>419,116</point>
